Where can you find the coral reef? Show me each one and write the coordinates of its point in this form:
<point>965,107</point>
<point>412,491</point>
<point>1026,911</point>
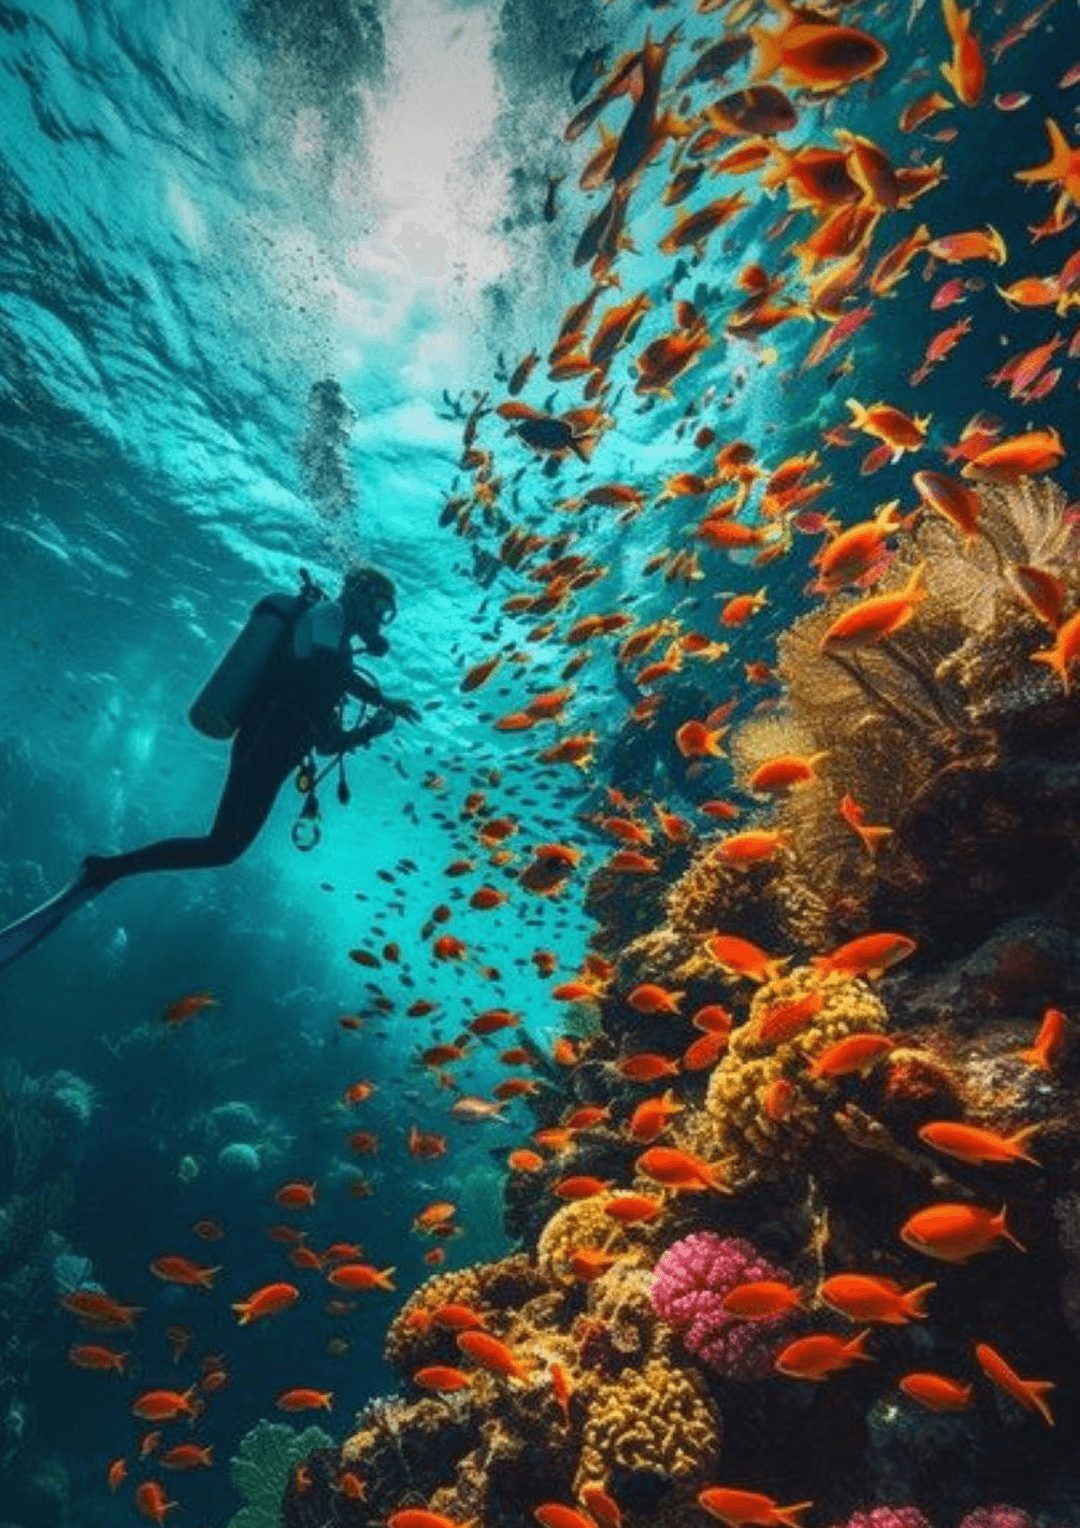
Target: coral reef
<point>625,1373</point>
<point>261,1469</point>
<point>689,1285</point>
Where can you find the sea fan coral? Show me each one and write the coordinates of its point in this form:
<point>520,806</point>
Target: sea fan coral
<point>689,1285</point>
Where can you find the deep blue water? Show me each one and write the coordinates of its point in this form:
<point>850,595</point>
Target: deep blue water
<point>208,209</point>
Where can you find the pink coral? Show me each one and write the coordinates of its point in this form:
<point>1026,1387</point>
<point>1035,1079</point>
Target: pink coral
<point>689,1283</point>
<point>997,1517</point>
<point>888,1517</point>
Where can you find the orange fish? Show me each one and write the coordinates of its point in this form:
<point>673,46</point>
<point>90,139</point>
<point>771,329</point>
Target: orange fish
<point>1017,456</point>
<point>589,1263</point>
<point>950,499</point>
<point>816,54</point>
<point>785,771</point>
<point>425,1143</point>
<point>779,1023</point>
<point>760,1299</point>
<point>974,1144</point>
<point>358,1093</point>
<point>630,1208</point>
<point>972,244</point>
<point>180,1270</point>
<point>869,1297</point>
<point>1048,1041</point>
<point>209,1230</point>
<point>164,1405</point>
<point>296,1196</point>
<point>650,1118</point>
<point>778,1100</point>
<point>815,1358</point>
<point>750,848</point>
<point>436,1214</point>
<point>269,1300</point>
<point>937,1392</point>
<point>872,619</point>
<point>869,955</point>
<point>1065,651</point>
<point>187,1456</point>
<point>872,837</point>
<point>856,1053</point>
<point>741,958</point>
<point>1031,1393</point>
<point>441,1377</point>
<point>603,1508</point>
<point>492,1354</point>
<point>695,740</point>
<point>480,673</point>
<point>712,1019</point>
<point>149,1443</point>
<point>562,1390</point>
<point>186,1008</point>
<point>90,1356</point>
<point>1044,592</point>
<point>649,999</point>
<point>554,1515</point>
<point>628,860</point>
<point>116,1473</point>
<point>581,1186</point>
<point>524,1161</point>
<point>152,1502</point>
<point>681,1170</point>
<point>966,70</point>
<point>587,1116</point>
<point>361,1276</point>
<point>705,1052</point>
<point>749,1509</point>
<point>955,1232</point>
<point>647,1066</point>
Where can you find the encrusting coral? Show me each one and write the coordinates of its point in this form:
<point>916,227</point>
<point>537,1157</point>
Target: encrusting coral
<point>657,1421</point>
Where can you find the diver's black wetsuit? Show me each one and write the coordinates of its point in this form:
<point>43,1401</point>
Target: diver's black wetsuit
<point>293,711</point>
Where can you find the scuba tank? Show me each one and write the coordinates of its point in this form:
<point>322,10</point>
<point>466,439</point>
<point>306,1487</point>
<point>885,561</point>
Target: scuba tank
<point>219,706</point>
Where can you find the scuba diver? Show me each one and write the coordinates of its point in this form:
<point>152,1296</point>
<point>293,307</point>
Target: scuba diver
<point>278,693</point>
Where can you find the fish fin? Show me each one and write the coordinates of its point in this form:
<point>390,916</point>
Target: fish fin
<point>913,1300</point>
<point>21,936</point>
<point>770,54</point>
<point>785,1515</point>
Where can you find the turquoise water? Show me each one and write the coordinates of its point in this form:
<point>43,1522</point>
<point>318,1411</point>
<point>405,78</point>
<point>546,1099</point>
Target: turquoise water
<point>208,211</point>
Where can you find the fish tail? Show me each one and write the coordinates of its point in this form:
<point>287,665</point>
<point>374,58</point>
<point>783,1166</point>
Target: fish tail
<point>1034,1056</point>
<point>786,1515</point>
<point>913,1300</point>
<point>1036,1391</point>
<point>1054,659</point>
<point>770,55</point>
<point>856,1347</point>
<point>1003,1230</point>
<point>384,1278</point>
<point>858,411</point>
<point>243,1310</point>
<point>1021,1138</point>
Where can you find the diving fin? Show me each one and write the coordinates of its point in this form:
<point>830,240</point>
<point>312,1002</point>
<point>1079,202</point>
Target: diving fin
<point>21,936</point>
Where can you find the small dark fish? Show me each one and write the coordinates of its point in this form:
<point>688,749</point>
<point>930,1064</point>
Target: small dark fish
<point>550,209</point>
<point>761,109</point>
<point>715,62</point>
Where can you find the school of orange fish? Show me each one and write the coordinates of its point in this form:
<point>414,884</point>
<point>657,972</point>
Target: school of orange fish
<point>841,196</point>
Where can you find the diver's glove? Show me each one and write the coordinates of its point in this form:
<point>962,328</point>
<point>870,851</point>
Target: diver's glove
<point>362,736</point>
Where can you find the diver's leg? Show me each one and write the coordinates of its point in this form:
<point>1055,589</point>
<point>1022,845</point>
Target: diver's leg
<point>261,762</point>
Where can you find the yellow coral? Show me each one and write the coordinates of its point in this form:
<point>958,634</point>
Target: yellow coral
<point>583,1223</point>
<point>657,1419</point>
<point>735,1123</point>
<point>510,1282</point>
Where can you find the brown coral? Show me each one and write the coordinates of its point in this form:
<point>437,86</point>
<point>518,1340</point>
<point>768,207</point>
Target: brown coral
<point>506,1284</point>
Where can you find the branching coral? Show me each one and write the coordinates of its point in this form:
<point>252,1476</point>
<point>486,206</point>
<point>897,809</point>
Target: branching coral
<point>689,1285</point>
<point>659,1421</point>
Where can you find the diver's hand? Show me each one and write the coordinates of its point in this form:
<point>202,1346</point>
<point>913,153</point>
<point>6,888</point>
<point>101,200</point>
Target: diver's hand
<point>403,708</point>
<point>360,737</point>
